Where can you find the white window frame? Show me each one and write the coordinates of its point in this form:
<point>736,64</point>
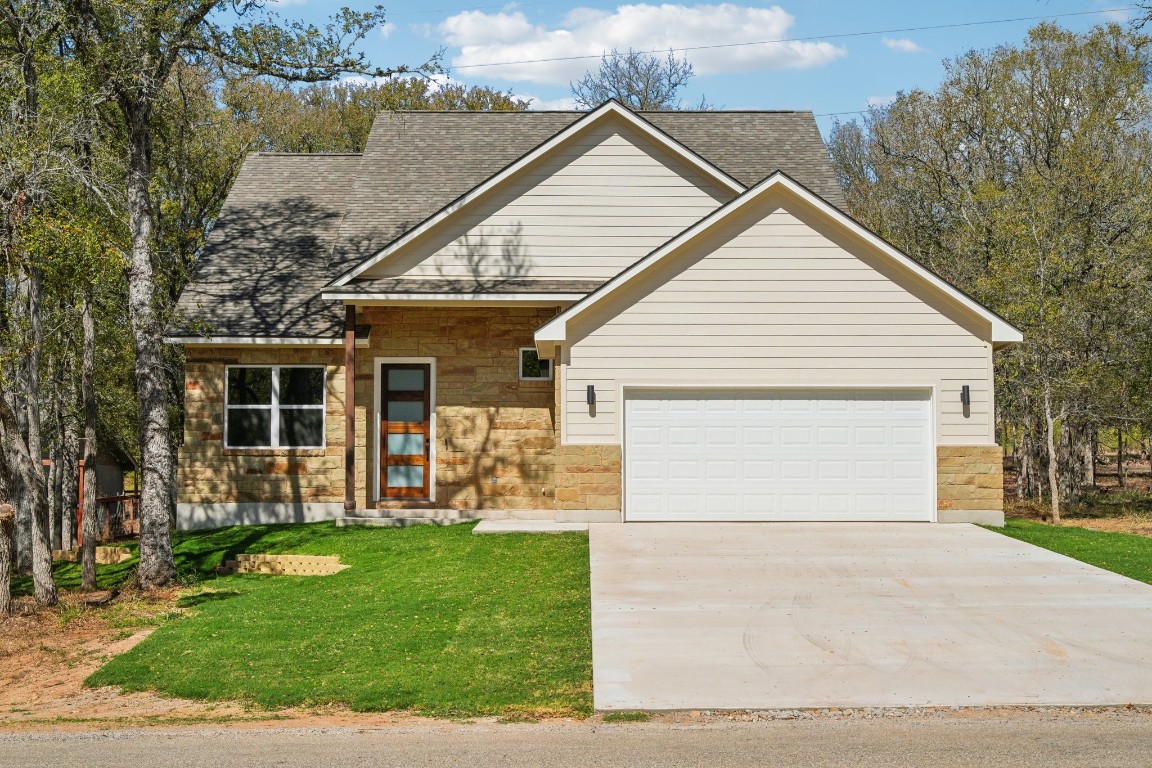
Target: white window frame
<point>520,366</point>
<point>275,409</point>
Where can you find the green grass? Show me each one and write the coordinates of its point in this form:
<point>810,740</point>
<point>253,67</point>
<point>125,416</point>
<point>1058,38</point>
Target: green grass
<point>626,717</point>
<point>1122,553</point>
<point>430,619</point>
<point>68,574</point>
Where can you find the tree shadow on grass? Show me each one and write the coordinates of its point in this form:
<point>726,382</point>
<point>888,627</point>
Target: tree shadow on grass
<point>193,601</point>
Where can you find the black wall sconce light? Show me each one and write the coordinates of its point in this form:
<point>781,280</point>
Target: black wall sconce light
<point>591,395</point>
<point>965,395</point>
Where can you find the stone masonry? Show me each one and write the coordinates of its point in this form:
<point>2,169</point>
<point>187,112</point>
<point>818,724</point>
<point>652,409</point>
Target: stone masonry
<point>495,435</point>
<point>970,477</point>
<point>211,473</point>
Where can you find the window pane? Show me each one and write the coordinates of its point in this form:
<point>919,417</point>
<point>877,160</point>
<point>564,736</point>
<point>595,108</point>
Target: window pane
<point>405,476</point>
<point>532,367</point>
<point>301,428</point>
<point>406,379</point>
<point>301,386</point>
<point>406,445</point>
<point>403,410</point>
<point>250,386</point>
<point>249,427</point>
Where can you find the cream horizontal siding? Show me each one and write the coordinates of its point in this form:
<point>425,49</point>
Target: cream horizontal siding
<point>586,211</point>
<point>777,305</point>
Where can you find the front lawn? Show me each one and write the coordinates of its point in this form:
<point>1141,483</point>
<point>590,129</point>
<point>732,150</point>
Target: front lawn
<point>427,618</point>
<point>1121,553</point>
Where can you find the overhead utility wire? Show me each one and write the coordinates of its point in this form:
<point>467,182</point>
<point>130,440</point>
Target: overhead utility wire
<point>809,38</point>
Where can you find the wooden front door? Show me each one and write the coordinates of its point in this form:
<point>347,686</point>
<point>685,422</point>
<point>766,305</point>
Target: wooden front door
<point>405,431</point>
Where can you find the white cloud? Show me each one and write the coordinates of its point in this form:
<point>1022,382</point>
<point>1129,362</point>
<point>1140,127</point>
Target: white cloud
<point>386,29</point>
<point>509,36</point>
<point>874,102</point>
<point>901,44</point>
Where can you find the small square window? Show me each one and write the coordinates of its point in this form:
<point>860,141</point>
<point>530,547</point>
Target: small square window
<point>532,368</point>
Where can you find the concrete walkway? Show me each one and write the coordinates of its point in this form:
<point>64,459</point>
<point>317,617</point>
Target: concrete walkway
<point>706,615</point>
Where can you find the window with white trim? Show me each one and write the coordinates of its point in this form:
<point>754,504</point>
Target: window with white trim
<point>532,368</point>
<point>274,406</point>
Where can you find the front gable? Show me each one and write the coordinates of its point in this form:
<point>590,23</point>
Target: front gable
<point>776,294</point>
<point>583,206</point>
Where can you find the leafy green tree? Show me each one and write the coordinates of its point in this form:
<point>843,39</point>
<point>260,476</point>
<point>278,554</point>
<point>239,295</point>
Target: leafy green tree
<point>1024,178</point>
<point>130,50</point>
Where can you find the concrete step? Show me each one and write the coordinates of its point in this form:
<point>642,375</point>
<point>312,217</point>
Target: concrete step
<point>456,515</point>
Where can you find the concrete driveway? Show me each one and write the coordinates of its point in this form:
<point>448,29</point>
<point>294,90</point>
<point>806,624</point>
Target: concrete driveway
<point>768,615</point>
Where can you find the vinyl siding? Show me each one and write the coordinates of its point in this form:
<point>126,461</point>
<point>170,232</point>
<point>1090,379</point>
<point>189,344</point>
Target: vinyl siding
<point>586,211</point>
<point>777,301</point>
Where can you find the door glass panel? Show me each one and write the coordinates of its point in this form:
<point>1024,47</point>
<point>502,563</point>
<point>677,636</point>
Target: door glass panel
<point>406,445</point>
<point>405,476</point>
<point>404,410</point>
<point>406,379</point>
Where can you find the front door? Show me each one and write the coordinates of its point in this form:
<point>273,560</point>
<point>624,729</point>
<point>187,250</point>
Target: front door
<point>405,431</point>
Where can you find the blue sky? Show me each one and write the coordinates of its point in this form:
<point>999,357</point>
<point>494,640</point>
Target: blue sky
<point>828,67</point>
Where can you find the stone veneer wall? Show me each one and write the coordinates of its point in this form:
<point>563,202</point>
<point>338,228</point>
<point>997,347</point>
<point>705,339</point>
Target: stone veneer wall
<point>970,477</point>
<point>588,477</point>
<point>495,435</point>
<point>209,473</point>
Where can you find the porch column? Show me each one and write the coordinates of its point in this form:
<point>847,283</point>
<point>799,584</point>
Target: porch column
<point>349,408</point>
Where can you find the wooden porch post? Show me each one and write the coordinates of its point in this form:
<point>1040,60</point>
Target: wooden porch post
<point>349,408</point>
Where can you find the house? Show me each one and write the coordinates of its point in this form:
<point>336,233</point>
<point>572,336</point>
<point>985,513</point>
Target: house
<point>587,316</point>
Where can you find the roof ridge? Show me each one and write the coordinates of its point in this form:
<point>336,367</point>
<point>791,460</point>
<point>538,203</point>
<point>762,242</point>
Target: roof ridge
<point>260,153</point>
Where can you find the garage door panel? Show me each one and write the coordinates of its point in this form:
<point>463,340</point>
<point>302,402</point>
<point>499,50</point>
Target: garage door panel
<point>699,455</point>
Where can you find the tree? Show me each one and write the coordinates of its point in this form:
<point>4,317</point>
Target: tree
<point>130,49</point>
<point>1024,178</point>
<point>637,80</point>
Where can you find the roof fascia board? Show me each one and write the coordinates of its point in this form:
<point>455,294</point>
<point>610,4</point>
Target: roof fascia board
<point>1003,332</point>
<point>456,299</point>
<point>608,108</point>
<point>261,341</point>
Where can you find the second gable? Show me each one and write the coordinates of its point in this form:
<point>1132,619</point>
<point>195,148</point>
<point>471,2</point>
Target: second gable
<point>585,211</point>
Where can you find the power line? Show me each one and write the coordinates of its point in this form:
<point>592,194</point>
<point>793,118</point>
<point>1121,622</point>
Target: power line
<point>810,38</point>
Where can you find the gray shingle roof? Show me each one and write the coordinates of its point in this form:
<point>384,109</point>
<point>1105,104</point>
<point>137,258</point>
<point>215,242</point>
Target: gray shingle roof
<point>267,257</point>
<point>293,223</point>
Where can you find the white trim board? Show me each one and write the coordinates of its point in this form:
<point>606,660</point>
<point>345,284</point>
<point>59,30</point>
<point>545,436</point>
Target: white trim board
<point>556,330</point>
<point>416,299</point>
<point>608,108</point>
<point>377,365</point>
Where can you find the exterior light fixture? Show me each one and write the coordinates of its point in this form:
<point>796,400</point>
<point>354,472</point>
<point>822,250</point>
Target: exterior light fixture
<point>965,395</point>
<point>591,394</point>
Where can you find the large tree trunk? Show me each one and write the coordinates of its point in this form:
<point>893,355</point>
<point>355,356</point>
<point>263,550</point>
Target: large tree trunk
<point>1053,462</point>
<point>44,586</point>
<point>157,565</point>
<point>1120,479</point>
<point>69,483</point>
<point>7,543</point>
<point>30,478</point>
<point>88,395</point>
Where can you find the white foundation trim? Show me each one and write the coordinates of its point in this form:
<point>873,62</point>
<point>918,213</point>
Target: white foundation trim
<point>199,516</point>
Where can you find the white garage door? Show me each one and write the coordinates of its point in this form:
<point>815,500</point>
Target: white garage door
<point>714,455</point>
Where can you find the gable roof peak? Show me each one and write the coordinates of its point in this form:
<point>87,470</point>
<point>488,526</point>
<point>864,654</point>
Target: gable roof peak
<point>610,107</point>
